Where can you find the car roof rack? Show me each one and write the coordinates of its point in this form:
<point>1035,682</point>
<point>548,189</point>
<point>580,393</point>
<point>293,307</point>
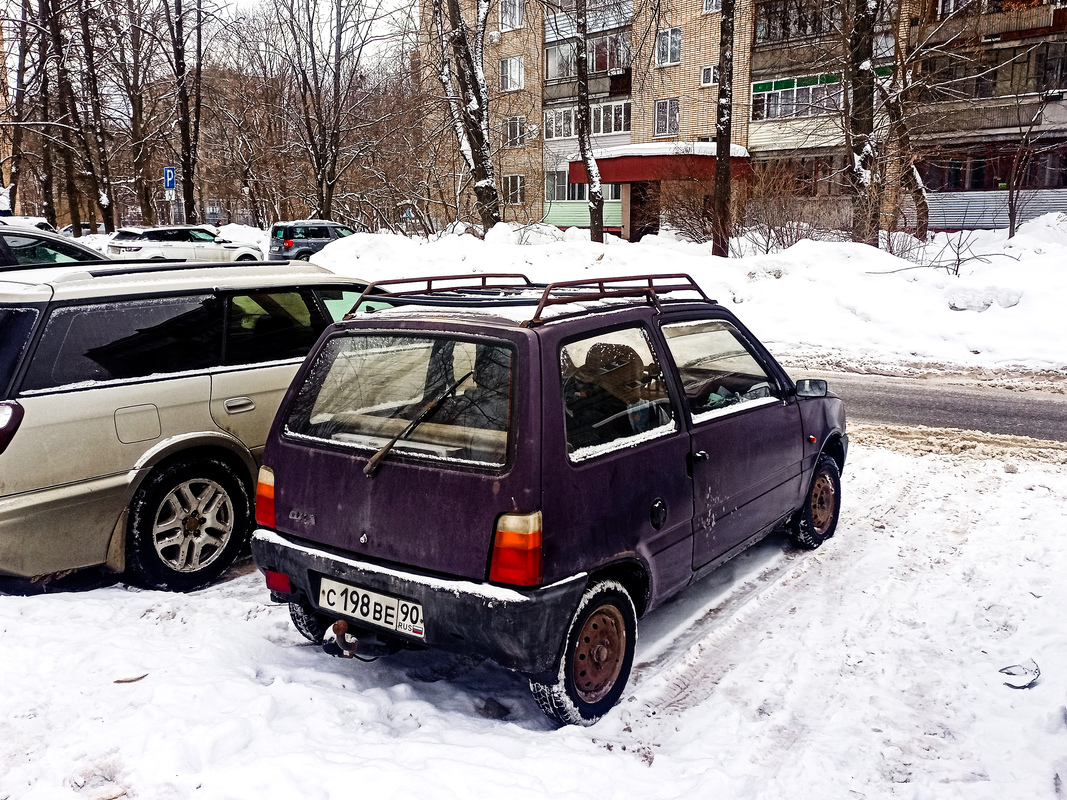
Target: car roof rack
<point>497,282</point>
<point>131,266</point>
<point>563,292</point>
<point>506,288</point>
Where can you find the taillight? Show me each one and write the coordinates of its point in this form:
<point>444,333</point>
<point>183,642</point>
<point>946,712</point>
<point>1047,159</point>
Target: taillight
<point>287,243</point>
<point>278,582</point>
<point>517,550</point>
<point>11,414</point>
<point>265,498</point>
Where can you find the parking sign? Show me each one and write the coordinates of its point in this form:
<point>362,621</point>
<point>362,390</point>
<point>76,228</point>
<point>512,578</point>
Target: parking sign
<point>168,177</point>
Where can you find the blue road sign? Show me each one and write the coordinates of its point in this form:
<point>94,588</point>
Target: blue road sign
<point>168,177</point>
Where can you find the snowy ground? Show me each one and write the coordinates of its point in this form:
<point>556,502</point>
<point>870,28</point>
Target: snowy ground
<point>867,669</point>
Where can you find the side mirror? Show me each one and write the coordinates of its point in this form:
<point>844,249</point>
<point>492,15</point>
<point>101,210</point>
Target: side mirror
<point>811,387</point>
<point>221,240</point>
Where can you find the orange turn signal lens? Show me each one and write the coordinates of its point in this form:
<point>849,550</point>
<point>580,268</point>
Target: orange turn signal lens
<point>265,498</point>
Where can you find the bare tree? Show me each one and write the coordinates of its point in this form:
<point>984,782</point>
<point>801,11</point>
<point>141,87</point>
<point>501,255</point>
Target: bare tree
<point>721,198</point>
<point>460,71</point>
<point>188,89</point>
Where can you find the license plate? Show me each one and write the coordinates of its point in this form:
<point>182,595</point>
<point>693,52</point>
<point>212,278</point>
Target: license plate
<point>375,609</point>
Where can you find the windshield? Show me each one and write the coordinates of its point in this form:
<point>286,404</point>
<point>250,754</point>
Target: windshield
<point>364,390</point>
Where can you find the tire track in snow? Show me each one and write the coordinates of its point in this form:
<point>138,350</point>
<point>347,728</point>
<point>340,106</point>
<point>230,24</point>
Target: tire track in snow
<point>687,673</point>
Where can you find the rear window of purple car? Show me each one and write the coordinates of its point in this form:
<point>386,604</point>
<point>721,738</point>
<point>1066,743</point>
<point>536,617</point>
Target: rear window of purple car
<point>447,399</point>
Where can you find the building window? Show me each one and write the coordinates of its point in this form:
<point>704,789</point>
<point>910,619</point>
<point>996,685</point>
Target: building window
<point>611,118</point>
<point>712,5</point>
<point>514,190</point>
<point>609,52</point>
<point>669,47</point>
<point>510,14</point>
<point>559,124</point>
<point>947,7</point>
<point>511,74</point>
<point>808,96</point>
<point>557,188</point>
<point>666,123</point>
<point>607,118</point>
<point>709,76</point>
<point>560,61</point>
<point>781,20</point>
<point>556,185</point>
<point>514,131</point>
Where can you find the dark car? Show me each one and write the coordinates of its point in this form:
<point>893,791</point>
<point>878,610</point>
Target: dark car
<point>22,247</point>
<point>520,472</point>
<point>298,241</point>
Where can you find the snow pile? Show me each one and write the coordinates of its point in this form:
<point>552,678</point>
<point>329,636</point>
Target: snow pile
<point>868,668</point>
<point>993,303</point>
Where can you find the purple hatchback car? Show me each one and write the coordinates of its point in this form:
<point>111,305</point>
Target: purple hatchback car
<point>520,471</point>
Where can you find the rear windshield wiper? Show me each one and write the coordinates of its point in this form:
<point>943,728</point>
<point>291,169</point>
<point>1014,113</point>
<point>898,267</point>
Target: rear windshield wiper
<point>427,411</point>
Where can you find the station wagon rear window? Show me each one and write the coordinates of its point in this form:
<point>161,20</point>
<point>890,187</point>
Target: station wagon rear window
<point>443,398</point>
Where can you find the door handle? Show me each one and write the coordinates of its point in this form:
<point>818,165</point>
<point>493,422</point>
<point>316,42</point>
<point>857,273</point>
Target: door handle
<point>238,405</point>
<point>701,455</point>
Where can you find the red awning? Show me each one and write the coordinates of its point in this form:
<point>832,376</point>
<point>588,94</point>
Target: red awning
<point>655,162</point>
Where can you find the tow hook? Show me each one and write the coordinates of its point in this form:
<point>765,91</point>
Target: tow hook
<point>339,644</point>
<point>337,641</point>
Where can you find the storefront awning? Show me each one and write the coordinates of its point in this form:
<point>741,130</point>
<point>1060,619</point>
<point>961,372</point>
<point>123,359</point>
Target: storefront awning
<point>659,161</point>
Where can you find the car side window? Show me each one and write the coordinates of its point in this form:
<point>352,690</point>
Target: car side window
<point>319,232</point>
<point>271,326</point>
<point>200,236</point>
<point>613,389</point>
<point>126,339</point>
<point>717,368</point>
<point>29,250</point>
<point>339,302</point>
<point>342,231</point>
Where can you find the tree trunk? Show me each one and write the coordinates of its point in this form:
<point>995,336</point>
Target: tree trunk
<point>20,108</point>
<point>469,107</point>
<point>186,104</point>
<point>863,169</point>
<point>585,144</point>
<point>96,142</point>
<point>721,220</point>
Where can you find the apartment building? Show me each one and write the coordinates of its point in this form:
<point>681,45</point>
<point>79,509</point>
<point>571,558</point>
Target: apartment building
<point>984,104</point>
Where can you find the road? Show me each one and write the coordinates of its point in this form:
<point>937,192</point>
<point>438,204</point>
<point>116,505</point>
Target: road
<point>954,402</point>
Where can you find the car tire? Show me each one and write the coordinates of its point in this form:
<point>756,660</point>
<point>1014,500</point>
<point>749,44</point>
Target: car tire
<point>310,623</point>
<point>188,523</point>
<point>817,519</point>
<point>246,258</point>
<point>304,257</point>
<point>597,657</point>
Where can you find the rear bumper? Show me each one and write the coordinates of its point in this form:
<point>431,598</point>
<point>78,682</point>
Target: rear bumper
<point>520,630</point>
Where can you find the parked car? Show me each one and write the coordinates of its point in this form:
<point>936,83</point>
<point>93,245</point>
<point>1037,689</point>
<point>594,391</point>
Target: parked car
<point>87,229</point>
<point>134,405</point>
<point>28,222</point>
<point>22,247</point>
<point>301,239</point>
<point>521,471</point>
<point>186,242</point>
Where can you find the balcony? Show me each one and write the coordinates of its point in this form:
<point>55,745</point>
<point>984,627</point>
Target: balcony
<point>601,18</point>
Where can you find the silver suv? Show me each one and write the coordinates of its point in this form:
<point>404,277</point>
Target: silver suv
<point>134,405</point>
